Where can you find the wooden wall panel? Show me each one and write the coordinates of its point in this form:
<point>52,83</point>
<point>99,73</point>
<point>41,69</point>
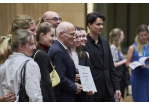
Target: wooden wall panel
<point>71,12</point>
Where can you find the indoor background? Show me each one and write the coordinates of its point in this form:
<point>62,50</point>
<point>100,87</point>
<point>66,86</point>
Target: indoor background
<point>127,16</point>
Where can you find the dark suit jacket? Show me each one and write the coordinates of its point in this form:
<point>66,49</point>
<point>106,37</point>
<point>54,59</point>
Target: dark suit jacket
<point>83,96</point>
<point>43,61</point>
<point>66,69</point>
<point>103,75</point>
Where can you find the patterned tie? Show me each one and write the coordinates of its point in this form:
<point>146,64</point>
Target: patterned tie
<point>69,53</point>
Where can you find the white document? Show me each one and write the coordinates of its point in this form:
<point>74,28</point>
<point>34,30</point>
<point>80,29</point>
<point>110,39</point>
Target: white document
<point>141,62</point>
<point>86,78</point>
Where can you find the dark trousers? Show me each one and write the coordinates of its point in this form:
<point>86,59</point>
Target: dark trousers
<point>106,97</point>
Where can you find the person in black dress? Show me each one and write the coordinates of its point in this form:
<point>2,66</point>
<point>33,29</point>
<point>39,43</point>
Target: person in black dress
<point>45,37</point>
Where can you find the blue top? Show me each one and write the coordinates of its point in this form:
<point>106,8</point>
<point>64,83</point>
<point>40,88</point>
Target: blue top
<point>140,78</point>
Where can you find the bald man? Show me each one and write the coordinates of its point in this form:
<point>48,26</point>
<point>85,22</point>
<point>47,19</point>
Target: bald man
<point>61,58</point>
<point>52,17</point>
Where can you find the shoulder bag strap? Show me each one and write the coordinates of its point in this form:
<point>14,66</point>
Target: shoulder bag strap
<point>36,53</point>
<point>52,64</point>
<point>23,79</point>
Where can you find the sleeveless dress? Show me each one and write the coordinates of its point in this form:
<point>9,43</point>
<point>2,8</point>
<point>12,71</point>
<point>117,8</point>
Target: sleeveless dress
<point>140,78</point>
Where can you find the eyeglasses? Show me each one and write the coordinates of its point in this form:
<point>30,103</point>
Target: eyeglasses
<point>72,34</point>
<point>55,19</point>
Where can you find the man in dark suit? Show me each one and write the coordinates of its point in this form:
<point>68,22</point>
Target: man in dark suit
<point>103,72</point>
<point>61,58</point>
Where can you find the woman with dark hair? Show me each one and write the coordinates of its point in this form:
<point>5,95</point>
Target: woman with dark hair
<point>80,58</point>
<point>139,76</point>
<point>14,52</point>
<point>44,39</point>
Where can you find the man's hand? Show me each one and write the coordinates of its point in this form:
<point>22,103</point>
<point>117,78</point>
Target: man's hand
<point>118,94</point>
<point>90,92</point>
<point>79,88</point>
<point>77,77</point>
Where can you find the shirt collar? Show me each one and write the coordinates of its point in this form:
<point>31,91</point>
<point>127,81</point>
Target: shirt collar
<point>43,47</point>
<point>63,45</point>
<point>92,40</point>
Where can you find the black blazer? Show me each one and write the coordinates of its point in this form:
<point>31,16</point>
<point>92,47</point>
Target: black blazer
<point>43,61</point>
<point>103,75</point>
<point>83,96</point>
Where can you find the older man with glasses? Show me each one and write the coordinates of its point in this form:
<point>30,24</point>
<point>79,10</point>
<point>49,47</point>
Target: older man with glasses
<point>64,65</point>
<point>52,17</point>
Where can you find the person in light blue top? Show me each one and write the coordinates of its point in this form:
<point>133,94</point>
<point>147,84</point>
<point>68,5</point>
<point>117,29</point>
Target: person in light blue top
<point>139,76</point>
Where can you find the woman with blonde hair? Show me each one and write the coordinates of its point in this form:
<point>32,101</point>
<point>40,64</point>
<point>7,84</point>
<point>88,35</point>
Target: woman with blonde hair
<point>14,52</point>
<point>116,38</point>
<point>23,22</point>
<point>139,76</point>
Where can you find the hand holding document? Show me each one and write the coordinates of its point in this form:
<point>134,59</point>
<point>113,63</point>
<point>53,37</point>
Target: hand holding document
<point>86,79</point>
<point>143,61</point>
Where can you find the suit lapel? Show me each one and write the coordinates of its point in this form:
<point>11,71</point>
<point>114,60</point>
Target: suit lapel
<point>93,50</point>
<point>57,42</point>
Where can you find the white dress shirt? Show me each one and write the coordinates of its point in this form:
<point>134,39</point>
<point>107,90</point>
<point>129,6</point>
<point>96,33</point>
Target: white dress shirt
<point>10,77</point>
<point>63,45</point>
<point>75,57</point>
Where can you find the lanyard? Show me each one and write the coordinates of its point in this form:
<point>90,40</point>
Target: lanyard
<point>144,51</point>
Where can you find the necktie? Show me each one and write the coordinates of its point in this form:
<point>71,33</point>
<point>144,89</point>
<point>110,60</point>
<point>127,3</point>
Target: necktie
<point>69,53</point>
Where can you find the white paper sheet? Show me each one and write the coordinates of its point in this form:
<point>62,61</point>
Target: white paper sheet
<point>86,78</point>
<point>135,64</point>
<point>142,60</point>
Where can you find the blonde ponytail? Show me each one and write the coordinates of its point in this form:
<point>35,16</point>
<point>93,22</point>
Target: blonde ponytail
<point>5,49</point>
<point>114,38</point>
<point>10,44</point>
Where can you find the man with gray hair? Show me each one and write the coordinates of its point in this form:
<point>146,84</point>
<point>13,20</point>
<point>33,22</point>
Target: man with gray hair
<point>64,65</point>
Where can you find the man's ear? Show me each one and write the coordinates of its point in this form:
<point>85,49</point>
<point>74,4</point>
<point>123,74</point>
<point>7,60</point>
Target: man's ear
<point>61,34</point>
<point>89,25</point>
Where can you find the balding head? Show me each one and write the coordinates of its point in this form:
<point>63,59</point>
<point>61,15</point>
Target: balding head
<point>51,17</point>
<point>65,33</point>
<point>63,27</point>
